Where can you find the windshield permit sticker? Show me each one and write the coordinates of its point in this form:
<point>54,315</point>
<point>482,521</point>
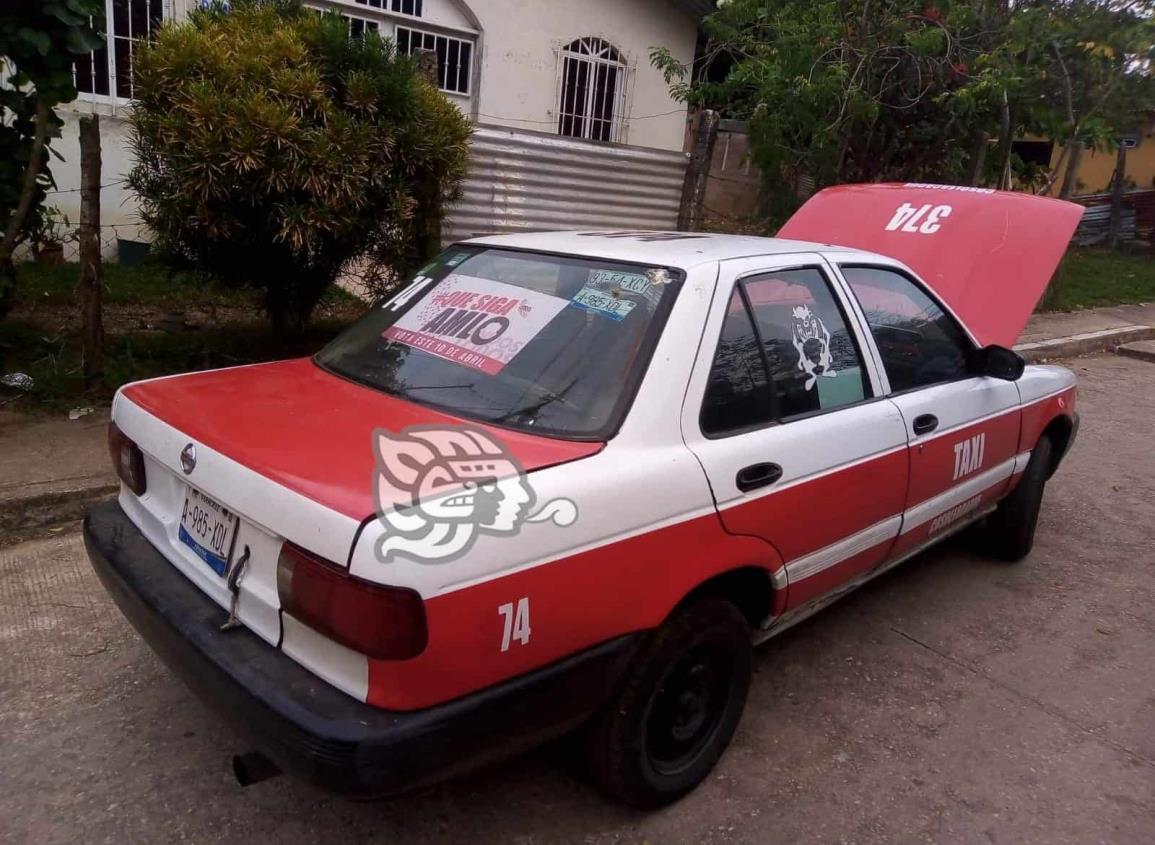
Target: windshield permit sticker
<point>603,302</point>
<point>454,260</point>
<point>812,342</point>
<point>477,323</point>
<point>615,283</point>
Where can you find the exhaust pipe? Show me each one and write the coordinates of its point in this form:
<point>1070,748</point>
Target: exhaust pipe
<point>253,767</point>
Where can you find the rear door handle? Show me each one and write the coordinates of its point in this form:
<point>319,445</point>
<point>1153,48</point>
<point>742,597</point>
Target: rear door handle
<point>757,475</point>
<point>925,423</point>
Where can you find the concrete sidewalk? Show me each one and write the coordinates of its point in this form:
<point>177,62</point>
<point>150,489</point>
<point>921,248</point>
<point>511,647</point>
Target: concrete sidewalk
<point>52,469</point>
<point>1064,334</point>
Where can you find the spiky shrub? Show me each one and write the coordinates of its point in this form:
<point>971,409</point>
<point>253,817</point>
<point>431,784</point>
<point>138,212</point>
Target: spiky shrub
<point>272,150</point>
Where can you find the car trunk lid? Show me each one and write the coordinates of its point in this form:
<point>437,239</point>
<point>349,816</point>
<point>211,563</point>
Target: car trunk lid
<point>311,431</point>
<point>989,254</point>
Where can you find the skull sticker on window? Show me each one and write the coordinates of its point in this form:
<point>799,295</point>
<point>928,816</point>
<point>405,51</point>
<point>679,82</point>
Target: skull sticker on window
<point>812,342</point>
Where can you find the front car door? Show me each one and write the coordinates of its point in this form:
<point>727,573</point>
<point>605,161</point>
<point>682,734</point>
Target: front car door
<point>785,413</point>
<point>963,428</point>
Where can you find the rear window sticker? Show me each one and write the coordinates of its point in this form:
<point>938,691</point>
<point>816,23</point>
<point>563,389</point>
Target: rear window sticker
<point>634,283</point>
<point>812,342</point>
<point>454,260</point>
<point>659,276</point>
<point>478,323</point>
<point>602,302</point>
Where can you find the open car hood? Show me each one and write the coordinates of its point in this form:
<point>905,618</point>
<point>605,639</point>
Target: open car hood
<point>989,254</point>
<point>311,431</point>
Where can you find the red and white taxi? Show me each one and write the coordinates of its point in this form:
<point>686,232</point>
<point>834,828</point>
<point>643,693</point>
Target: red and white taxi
<point>569,479</point>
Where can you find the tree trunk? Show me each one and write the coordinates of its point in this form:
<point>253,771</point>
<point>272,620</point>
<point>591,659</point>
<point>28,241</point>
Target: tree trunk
<point>698,172</point>
<point>1071,176</point>
<point>1006,140</point>
<point>92,322</point>
<point>1117,186</point>
<point>978,158</point>
<point>28,190</point>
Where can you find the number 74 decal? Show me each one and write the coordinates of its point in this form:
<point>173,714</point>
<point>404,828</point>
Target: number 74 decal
<point>515,623</point>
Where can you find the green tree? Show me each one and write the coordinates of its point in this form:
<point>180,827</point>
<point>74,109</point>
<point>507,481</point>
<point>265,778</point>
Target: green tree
<point>39,40</point>
<point>871,90</point>
<point>274,150</point>
<point>1093,80</point>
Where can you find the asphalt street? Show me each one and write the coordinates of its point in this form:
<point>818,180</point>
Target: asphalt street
<point>954,700</point>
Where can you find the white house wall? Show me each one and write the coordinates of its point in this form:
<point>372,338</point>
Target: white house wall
<point>514,83</point>
<point>519,61</point>
<point>118,205</point>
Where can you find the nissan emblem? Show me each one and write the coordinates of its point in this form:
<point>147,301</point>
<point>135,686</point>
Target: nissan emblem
<point>188,458</point>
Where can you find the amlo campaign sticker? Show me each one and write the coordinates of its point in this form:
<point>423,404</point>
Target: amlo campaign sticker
<point>478,323</point>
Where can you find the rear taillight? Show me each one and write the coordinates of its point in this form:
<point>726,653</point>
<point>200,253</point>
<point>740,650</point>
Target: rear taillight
<point>127,460</point>
<point>387,623</point>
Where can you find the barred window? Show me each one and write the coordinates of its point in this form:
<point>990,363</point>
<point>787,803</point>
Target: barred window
<point>402,7</point>
<point>453,56</point>
<point>592,83</point>
<point>107,71</point>
<point>359,26</point>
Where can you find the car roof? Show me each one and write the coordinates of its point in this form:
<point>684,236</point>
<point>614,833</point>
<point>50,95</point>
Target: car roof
<point>664,249</point>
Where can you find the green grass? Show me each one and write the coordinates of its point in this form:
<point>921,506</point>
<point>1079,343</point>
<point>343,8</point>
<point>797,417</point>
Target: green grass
<point>143,284</point>
<point>52,356</point>
<point>1089,278</point>
<point>150,283</point>
<point>54,362</point>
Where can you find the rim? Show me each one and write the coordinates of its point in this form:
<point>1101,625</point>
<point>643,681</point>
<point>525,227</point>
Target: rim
<point>688,707</point>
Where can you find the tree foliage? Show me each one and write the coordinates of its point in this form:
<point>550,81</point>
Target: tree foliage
<point>273,150</point>
<point>870,90</point>
<point>39,40</point>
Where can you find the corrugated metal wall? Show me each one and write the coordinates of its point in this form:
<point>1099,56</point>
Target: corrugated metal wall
<point>523,181</point>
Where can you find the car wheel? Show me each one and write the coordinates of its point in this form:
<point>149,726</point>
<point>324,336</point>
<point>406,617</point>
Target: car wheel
<point>1011,528</point>
<point>662,732</point>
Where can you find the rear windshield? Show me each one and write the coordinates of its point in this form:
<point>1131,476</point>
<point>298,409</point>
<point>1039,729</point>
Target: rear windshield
<point>545,343</point>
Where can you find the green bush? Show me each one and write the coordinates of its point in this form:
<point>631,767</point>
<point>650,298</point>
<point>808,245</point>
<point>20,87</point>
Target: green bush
<point>273,150</point>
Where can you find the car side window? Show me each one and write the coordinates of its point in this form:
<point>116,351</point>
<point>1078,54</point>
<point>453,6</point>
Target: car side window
<point>738,391</point>
<point>920,343</point>
<point>815,364</point>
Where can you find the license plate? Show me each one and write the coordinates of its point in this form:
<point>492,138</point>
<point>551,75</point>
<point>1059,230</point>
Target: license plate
<point>207,528</point>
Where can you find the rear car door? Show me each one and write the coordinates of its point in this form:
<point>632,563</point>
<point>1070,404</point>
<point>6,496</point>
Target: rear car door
<point>962,428</point>
<point>784,413</point>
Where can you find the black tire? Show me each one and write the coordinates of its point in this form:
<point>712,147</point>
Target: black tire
<point>1011,528</point>
<point>662,732</point>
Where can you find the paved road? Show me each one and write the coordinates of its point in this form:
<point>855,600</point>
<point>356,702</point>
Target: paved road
<point>955,700</point>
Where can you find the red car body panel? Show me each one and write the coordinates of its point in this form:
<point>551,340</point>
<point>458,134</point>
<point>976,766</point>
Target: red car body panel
<point>282,420</point>
<point>990,254</point>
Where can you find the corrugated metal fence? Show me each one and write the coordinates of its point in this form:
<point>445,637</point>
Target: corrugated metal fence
<point>522,181</point>
<point>1138,217</point>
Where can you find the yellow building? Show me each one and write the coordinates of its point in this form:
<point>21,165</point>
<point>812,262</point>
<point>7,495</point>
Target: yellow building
<point>1097,167</point>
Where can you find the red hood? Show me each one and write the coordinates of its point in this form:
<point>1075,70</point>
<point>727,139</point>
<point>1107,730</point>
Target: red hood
<point>309,430</point>
<point>989,254</point>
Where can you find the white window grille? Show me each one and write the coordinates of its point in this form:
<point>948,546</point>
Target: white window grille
<point>454,56</point>
<point>592,83</point>
<point>106,73</point>
<point>401,7</point>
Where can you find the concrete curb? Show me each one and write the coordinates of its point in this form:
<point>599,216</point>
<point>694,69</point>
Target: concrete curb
<point>1083,344</point>
<point>1141,350</point>
<point>33,516</point>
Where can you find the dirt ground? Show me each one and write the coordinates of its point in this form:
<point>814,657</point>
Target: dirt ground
<point>955,700</point>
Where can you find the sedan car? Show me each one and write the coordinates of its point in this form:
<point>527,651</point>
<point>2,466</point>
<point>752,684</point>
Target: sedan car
<point>566,481</point>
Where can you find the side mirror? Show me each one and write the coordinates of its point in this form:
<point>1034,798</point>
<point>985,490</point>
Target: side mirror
<point>1000,362</point>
